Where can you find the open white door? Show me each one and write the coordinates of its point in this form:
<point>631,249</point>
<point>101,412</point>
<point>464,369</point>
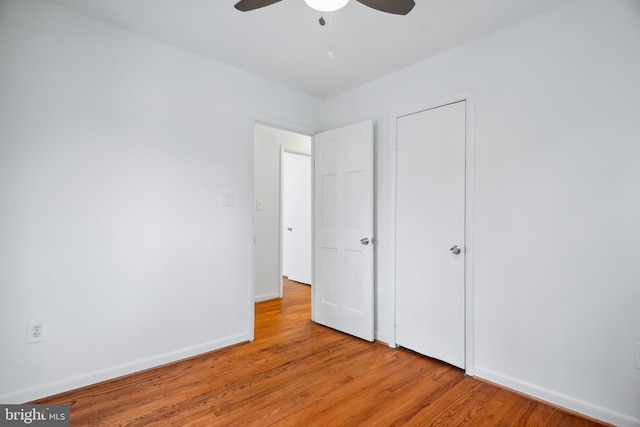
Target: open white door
<point>343,227</point>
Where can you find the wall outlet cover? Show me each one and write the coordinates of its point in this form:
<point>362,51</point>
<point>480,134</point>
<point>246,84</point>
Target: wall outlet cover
<point>36,331</point>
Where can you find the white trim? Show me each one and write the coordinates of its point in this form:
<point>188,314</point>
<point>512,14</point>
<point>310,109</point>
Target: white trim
<point>50,389</point>
<point>468,97</point>
<point>313,224</point>
<point>261,119</point>
<point>468,236</point>
<point>559,399</point>
<point>266,297</point>
<point>382,338</point>
<point>251,285</point>
<point>392,340</point>
<point>298,152</point>
<point>281,222</point>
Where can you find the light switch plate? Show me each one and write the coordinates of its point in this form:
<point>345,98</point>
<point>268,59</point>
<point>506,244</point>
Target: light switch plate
<point>259,204</point>
<point>227,199</point>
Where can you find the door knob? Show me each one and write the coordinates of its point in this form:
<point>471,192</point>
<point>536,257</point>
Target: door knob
<point>455,249</point>
<point>364,240</point>
<point>289,229</point>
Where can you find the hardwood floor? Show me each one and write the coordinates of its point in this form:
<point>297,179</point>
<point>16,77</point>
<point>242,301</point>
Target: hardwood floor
<point>297,373</point>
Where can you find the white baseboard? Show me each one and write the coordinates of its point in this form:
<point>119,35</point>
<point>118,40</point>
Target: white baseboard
<point>559,399</point>
<point>384,339</point>
<point>89,378</point>
<point>266,297</point>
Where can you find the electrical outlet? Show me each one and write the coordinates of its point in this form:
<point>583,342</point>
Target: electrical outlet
<point>36,331</point>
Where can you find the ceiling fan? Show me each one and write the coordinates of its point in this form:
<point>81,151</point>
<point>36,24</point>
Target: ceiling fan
<point>396,7</point>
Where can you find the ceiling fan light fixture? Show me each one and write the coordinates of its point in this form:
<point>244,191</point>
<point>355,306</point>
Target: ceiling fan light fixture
<point>326,5</point>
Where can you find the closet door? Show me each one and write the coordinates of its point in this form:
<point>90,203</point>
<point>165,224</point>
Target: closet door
<point>430,220</point>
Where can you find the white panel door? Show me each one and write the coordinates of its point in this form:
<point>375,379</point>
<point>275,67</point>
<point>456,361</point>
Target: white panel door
<point>296,217</point>
<point>343,246</point>
<point>430,220</point>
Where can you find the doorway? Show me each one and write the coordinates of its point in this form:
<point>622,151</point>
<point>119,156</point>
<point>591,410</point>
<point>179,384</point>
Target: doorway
<point>343,239</point>
<point>269,145</point>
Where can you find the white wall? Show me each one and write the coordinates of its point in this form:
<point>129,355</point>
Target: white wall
<point>268,141</point>
<point>557,200</point>
<point>115,151</point>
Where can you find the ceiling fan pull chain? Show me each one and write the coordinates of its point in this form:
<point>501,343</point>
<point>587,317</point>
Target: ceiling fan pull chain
<point>330,53</point>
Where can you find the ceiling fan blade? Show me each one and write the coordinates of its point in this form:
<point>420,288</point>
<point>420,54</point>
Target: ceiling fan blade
<point>397,7</point>
<point>247,5</point>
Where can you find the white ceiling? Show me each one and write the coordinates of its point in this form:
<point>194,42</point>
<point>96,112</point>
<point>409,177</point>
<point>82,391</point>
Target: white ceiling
<point>284,42</point>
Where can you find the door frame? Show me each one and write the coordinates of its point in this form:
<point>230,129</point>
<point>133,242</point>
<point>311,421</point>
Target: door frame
<point>276,123</point>
<point>468,97</point>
